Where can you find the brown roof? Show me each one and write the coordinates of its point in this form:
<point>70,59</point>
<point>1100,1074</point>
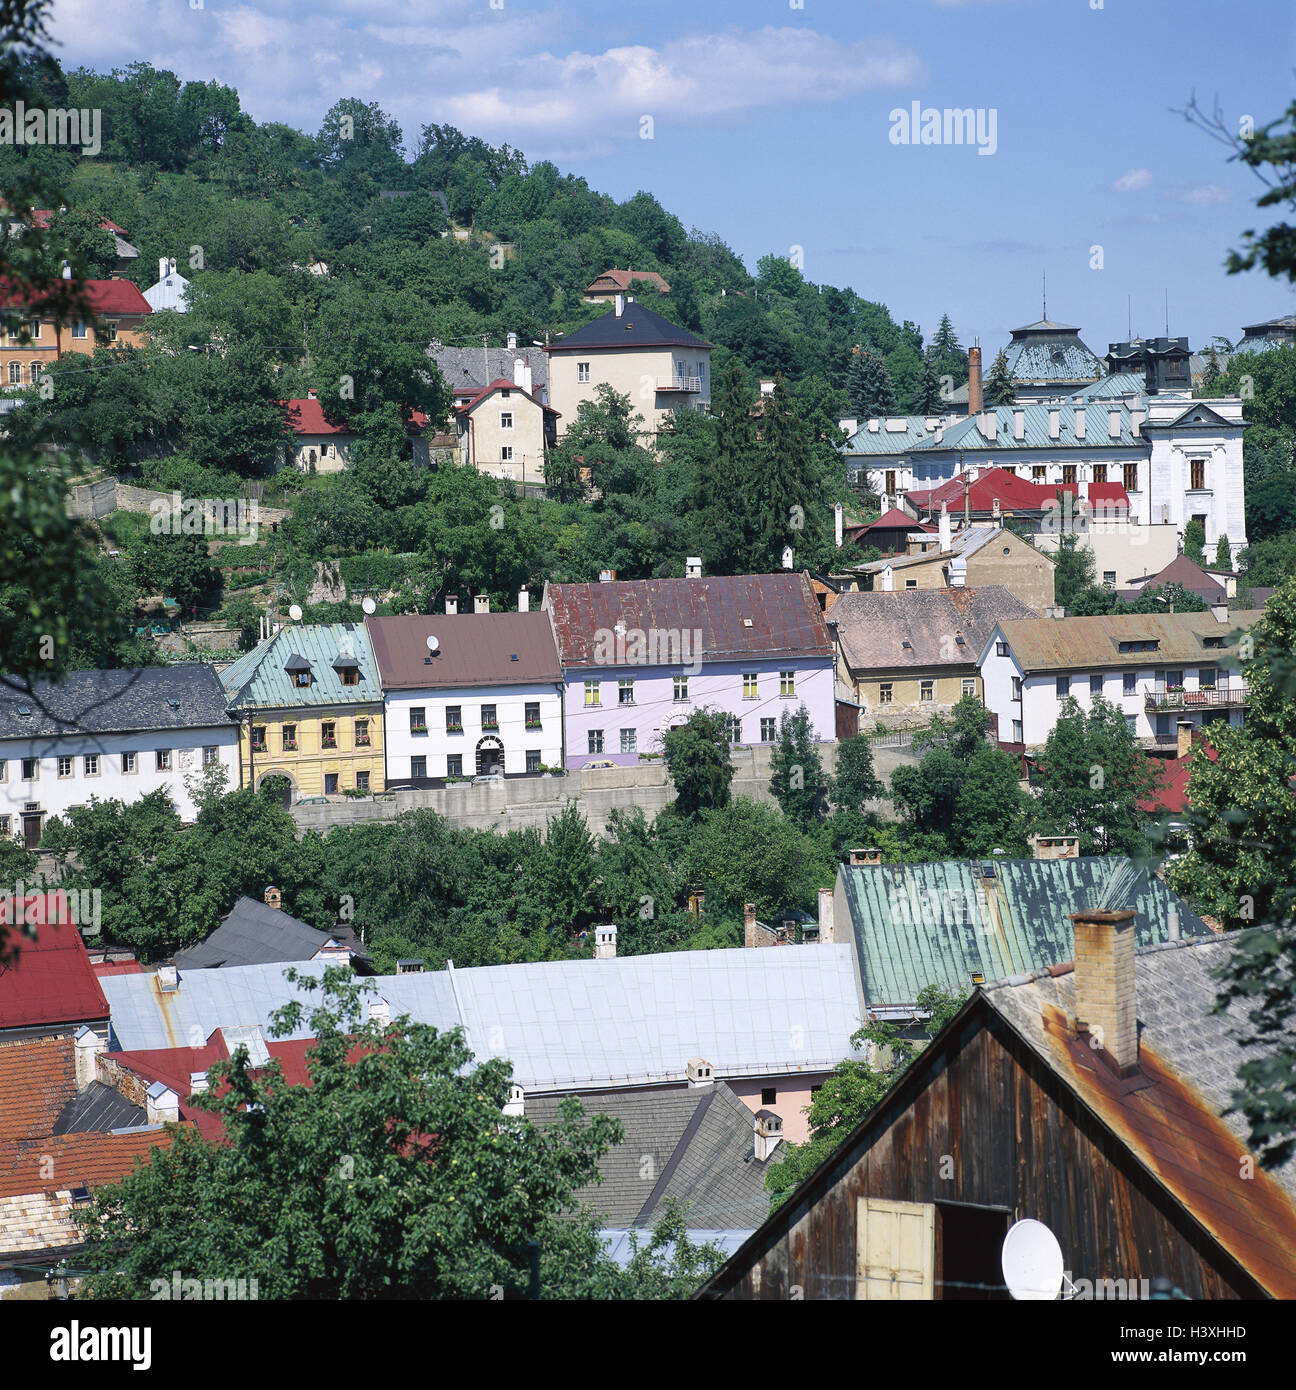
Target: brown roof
<point>37,1079</point>
<point>92,1159</point>
<point>623,279</point>
<point>1069,644</point>
<point>738,615</point>
<point>1190,576</point>
<point>473,649</point>
<point>873,627</point>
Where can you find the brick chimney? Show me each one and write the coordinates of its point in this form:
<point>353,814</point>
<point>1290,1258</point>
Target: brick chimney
<point>274,898</point>
<point>1106,1006</point>
<point>976,398</point>
<point>750,927</point>
<point>1185,732</point>
<point>871,856</point>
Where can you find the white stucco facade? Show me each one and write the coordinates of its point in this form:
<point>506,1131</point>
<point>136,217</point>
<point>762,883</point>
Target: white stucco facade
<point>527,732</point>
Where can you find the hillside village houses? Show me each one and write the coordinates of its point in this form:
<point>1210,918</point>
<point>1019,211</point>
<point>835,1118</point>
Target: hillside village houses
<point>505,430</point>
<point>640,656</point>
<point>320,445</point>
<point>122,313</point>
<point>110,735</point>
<point>469,694</point>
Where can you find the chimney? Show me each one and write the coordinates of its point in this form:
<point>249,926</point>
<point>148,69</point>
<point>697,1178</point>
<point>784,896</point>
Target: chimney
<point>837,524</point>
<point>516,1102</point>
<point>411,965</point>
<point>168,979</point>
<point>1055,846</point>
<point>171,266</point>
<point>163,267</point>
<point>1079,422</point>
<point>750,926</point>
<point>88,1045</point>
<point>699,1072</point>
<point>161,1104</point>
<point>452,604</point>
<point>1113,424</point>
<point>871,856</point>
<point>693,567</point>
<point>788,559</point>
<point>1185,731</point>
<point>380,1012</point>
<point>768,1130</point>
<point>888,580</point>
<point>605,942</point>
<point>1220,612</point>
<point>1106,1007</point>
<point>519,373</point>
<point>620,305</point>
<point>976,398</point>
<point>312,394</point>
<point>197,1082</point>
<point>274,898</point>
<point>607,576</point>
<point>512,342</point>
<point>481,603</point>
<point>826,916</point>
<point>946,540</point>
<point>1019,424</point>
<point>1055,424</point>
<point>988,424</point>
<point>524,601</point>
<point>67,270</point>
<point>996,509</point>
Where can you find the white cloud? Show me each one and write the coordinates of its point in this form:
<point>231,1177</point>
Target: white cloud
<point>1133,182</point>
<point>1201,195</point>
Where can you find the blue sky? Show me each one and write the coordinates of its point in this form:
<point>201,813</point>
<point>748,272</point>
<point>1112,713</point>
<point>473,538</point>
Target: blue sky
<point>771,125</point>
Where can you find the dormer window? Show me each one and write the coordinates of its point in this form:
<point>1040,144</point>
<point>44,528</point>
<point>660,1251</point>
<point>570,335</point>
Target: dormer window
<point>302,678</point>
<point>299,671</point>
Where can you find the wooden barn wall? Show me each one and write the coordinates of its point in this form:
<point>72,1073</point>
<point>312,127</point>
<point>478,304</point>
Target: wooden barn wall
<point>1017,1139</point>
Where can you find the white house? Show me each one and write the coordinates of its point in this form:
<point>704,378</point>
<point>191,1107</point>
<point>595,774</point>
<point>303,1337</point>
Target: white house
<point>110,735</point>
<point>465,694</point>
<point>1156,669</point>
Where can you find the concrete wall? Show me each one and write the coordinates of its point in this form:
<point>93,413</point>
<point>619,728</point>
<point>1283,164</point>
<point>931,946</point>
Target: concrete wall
<point>110,495</point>
<point>524,802</point>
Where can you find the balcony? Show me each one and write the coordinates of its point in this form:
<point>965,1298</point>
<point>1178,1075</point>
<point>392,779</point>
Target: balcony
<point>1225,695</point>
<point>691,385</point>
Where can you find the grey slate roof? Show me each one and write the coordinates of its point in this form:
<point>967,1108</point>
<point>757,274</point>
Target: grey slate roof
<point>695,1145</point>
<point>637,327</point>
<point>464,367</point>
<point>1047,351</point>
<point>98,1109</point>
<point>873,627</point>
<point>254,933</point>
<point>110,702</point>
<point>922,924</point>
<point>565,1025</point>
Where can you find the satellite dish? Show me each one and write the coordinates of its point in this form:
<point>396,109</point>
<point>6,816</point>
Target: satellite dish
<point>432,644</point>
<point>1033,1267</point>
<point>369,605</point>
<point>295,612</point>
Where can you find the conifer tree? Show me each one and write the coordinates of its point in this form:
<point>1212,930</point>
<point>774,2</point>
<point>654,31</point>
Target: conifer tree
<point>869,386</point>
<point>1000,388</point>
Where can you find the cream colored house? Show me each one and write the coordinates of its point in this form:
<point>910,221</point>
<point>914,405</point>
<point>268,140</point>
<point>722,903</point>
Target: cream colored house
<point>658,365</point>
<point>504,430</point>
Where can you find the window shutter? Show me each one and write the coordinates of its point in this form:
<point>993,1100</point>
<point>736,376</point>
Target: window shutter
<point>895,1249</point>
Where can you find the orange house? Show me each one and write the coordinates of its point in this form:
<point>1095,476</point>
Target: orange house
<point>120,311</point>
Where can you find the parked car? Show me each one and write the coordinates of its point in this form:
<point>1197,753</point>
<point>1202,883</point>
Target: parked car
<point>488,777</point>
<point>602,762</point>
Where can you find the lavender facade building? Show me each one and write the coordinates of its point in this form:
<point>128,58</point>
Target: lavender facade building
<point>640,656</point>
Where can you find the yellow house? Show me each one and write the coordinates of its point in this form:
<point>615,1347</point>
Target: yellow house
<point>310,709</point>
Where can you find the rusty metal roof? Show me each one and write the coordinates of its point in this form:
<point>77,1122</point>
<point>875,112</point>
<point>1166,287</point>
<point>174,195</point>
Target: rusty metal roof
<point>1068,644</point>
<point>772,615</point>
<point>1178,1125</point>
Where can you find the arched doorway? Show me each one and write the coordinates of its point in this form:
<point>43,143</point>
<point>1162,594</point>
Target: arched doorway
<point>281,784</point>
<point>490,755</point>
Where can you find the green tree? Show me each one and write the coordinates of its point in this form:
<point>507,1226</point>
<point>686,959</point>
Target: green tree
<point>869,387</point>
<point>725,475</point>
<point>1000,389</point>
<point>747,851</point>
<point>1223,554</point>
<point>697,759</point>
<point>947,354</point>
<point>1194,541</point>
<point>786,492</point>
<point>797,781</point>
<point>855,782</point>
<point>1074,581</point>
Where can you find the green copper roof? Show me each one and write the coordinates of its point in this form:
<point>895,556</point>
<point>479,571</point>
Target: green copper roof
<point>262,678</point>
<point>936,924</point>
<point>1048,351</point>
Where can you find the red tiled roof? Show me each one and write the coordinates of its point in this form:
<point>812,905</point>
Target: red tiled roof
<point>37,1079</point>
<point>1171,794</point>
<point>479,394</point>
<point>105,297</point>
<point>40,218</point>
<point>104,968</point>
<point>92,1158</point>
<point>1011,492</point>
<point>51,981</point>
<point>306,416</point>
<point>896,520</point>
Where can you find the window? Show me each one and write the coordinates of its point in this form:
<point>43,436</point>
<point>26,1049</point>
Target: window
<point>1038,474</point>
<point>625,692</point>
<point>733,728</point>
<point>330,783</point>
<point>1109,579</point>
<point>886,693</point>
<point>211,755</point>
<point>1145,645</point>
<point>926,691</point>
<point>65,766</point>
<point>454,765</point>
<point>5,824</point>
<point>35,326</point>
<point>489,717</point>
<point>302,679</point>
<point>1131,477</point>
<point>533,760</point>
<point>79,329</point>
<point>350,675</point>
<point>969,685</point>
<point>1100,472</point>
<point>362,781</point>
<point>890,482</point>
<point>1063,687</point>
<point>681,687</point>
<point>532,712</point>
<point>1095,685</point>
<point>592,693</point>
<point>1068,473</point>
<point>259,739</point>
<point>418,719</point>
<point>15,373</point>
<point>769,1095</point>
<point>506,419</point>
<point>4,770</point>
<point>769,730</point>
<point>506,453</point>
<point>454,719</point>
<point>582,371</point>
<point>130,762</point>
<point>1001,648</point>
<point>911,583</point>
<point>1129,682</point>
<point>787,683</point>
<point>92,765</point>
<point>328,734</point>
<point>1131,723</point>
<point>362,733</point>
<point>1017,731</point>
<point>628,741</point>
<point>112,330</point>
<point>34,372</point>
<point>1016,687</point>
<point>1197,468</point>
<point>290,738</point>
<point>31,769</point>
<point>163,757</point>
<point>1206,678</point>
<point>418,767</point>
<point>596,740</point>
